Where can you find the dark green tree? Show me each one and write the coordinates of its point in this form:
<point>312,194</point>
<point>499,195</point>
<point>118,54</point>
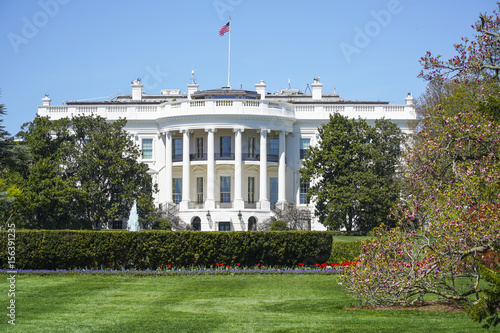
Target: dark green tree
<point>13,161</point>
<point>352,171</point>
<point>106,165</point>
<point>486,308</point>
<point>84,174</point>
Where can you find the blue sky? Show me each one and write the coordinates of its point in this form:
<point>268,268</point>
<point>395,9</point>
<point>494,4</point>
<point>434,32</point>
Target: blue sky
<point>76,49</point>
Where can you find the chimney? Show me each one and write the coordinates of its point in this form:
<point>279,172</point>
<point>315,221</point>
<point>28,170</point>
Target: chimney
<point>260,88</point>
<point>409,99</point>
<point>193,86</point>
<point>317,89</point>
<point>46,100</point>
<point>137,90</point>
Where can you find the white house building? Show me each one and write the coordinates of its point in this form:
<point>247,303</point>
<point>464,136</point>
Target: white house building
<point>226,159</point>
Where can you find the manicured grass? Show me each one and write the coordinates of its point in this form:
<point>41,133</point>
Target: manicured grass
<point>206,303</point>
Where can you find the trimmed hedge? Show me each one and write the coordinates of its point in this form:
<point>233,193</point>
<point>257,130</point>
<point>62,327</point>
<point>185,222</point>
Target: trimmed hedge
<point>148,249</point>
<point>345,251</point>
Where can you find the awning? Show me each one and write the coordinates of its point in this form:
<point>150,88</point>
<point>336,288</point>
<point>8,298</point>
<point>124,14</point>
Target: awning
<point>222,217</point>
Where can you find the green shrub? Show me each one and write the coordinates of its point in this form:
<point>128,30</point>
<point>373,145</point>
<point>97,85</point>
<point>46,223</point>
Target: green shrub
<point>278,225</point>
<point>120,249</point>
<point>345,251</point>
<point>161,224</point>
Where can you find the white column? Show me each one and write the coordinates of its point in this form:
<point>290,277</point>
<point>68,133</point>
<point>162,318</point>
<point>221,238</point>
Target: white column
<point>185,170</point>
<point>210,202</point>
<point>168,165</point>
<point>238,174</point>
<point>263,198</point>
<point>282,170</point>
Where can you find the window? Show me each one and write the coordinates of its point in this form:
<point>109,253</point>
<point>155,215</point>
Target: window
<point>177,149</point>
<point>225,189</point>
<point>252,223</point>
<point>117,224</point>
<point>225,146</point>
<point>196,224</point>
<point>199,148</point>
<point>251,147</point>
<point>251,190</point>
<point>177,190</point>
<point>274,146</point>
<point>199,190</point>
<point>147,149</point>
<point>304,147</point>
<point>273,197</point>
<point>224,226</point>
<point>304,187</point>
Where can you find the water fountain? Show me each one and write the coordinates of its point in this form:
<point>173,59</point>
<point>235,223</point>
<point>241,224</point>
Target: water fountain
<point>133,219</point>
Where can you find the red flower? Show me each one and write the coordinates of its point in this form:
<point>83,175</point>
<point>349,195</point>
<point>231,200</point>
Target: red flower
<point>258,264</point>
<point>301,264</point>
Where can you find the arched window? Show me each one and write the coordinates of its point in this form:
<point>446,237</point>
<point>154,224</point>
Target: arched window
<point>252,223</point>
<point>196,224</point>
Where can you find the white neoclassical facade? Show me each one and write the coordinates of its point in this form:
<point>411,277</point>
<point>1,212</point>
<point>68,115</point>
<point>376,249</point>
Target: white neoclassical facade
<point>227,159</point>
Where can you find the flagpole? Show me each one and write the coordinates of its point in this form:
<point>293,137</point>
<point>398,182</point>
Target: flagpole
<point>229,56</point>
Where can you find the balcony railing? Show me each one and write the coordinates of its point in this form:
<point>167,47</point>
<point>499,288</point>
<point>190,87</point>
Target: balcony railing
<point>224,156</point>
<point>219,204</point>
<point>198,157</point>
<point>250,204</point>
<point>228,157</point>
<point>195,205</point>
<point>250,157</point>
<point>273,158</point>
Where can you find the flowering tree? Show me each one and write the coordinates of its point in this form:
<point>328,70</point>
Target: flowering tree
<point>450,218</point>
<point>475,59</point>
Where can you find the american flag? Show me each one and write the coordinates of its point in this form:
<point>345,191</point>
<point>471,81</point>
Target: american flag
<point>225,28</point>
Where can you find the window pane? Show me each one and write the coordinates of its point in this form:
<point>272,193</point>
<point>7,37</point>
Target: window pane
<point>177,148</point>
<point>304,143</point>
<point>225,146</point>
<point>304,146</point>
<point>251,147</point>
<point>147,149</point>
<point>251,189</point>
<point>274,146</point>
<point>304,187</point>
<point>199,190</point>
<point>273,197</point>
<point>177,190</point>
<point>199,147</point>
<point>225,189</point>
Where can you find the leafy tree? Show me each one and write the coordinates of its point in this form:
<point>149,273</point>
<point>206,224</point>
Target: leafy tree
<point>478,59</point>
<point>352,172</point>
<point>84,174</point>
<point>13,161</point>
<point>106,165</point>
<point>449,219</point>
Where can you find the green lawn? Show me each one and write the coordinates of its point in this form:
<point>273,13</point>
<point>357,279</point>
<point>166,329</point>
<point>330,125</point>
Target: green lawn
<point>224,303</point>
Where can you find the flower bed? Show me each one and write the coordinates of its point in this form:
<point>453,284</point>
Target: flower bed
<point>218,268</point>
